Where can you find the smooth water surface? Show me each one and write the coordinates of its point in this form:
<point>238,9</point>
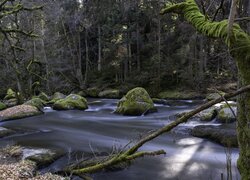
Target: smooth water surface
<point>99,130</point>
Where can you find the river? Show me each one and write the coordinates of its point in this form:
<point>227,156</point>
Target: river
<point>99,130</point>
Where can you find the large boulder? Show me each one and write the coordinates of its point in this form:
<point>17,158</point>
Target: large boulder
<point>57,96</point>
<point>110,93</point>
<point>73,101</point>
<point>136,102</point>
<point>224,134</point>
<point>2,106</point>
<point>37,102</point>
<point>227,114</point>
<point>18,112</point>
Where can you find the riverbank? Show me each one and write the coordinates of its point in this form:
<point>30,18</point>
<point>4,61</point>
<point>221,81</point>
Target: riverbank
<point>13,167</point>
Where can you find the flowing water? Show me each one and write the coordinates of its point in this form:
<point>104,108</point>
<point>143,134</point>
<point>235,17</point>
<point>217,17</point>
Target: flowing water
<point>99,130</point>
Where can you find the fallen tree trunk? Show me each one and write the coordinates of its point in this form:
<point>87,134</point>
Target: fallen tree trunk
<point>132,153</point>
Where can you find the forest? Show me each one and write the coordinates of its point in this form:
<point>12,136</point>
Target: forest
<point>129,89</point>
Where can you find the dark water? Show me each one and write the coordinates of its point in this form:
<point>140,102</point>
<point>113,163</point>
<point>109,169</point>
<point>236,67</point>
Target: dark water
<point>99,130</point>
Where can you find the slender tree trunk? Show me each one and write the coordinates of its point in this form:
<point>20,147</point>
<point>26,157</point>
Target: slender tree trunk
<point>44,53</point>
<point>79,68</point>
<point>138,47</point>
<point>99,49</point>
<point>159,48</point>
<point>87,58</point>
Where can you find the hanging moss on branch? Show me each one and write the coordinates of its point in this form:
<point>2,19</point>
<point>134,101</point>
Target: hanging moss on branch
<point>238,43</point>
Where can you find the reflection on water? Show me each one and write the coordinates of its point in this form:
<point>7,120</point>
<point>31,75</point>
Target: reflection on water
<point>99,130</point>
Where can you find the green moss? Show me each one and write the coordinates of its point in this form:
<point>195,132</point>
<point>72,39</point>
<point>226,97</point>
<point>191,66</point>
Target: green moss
<point>73,101</point>
<point>37,102</point>
<point>57,96</point>
<point>43,96</point>
<point>238,43</point>
<point>10,94</point>
<point>136,102</point>
<point>2,106</point>
<point>226,115</point>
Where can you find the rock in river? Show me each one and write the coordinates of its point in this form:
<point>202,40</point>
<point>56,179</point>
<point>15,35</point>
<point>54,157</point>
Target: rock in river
<point>224,134</point>
<point>42,157</point>
<point>72,101</point>
<point>136,102</point>
<point>20,111</point>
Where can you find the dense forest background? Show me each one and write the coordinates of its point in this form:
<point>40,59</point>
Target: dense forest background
<point>72,45</point>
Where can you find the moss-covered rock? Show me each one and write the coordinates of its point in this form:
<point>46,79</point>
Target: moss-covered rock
<point>224,134</point>
<point>18,112</point>
<point>207,115</point>
<point>213,96</point>
<point>10,94</point>
<point>37,102</point>
<point>42,157</point>
<point>11,102</point>
<point>81,93</point>
<point>73,101</point>
<point>93,92</point>
<point>43,96</point>
<point>226,115</point>
<point>136,102</point>
<point>175,94</point>
<point>2,106</point>
<point>57,96</point>
<point>110,93</point>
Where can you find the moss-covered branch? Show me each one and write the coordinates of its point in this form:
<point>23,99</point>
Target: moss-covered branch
<point>238,43</point>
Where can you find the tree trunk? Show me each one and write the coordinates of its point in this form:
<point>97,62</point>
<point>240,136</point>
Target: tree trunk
<point>99,49</point>
<point>79,68</point>
<point>238,42</point>
<point>44,53</point>
<point>87,59</point>
<point>138,48</point>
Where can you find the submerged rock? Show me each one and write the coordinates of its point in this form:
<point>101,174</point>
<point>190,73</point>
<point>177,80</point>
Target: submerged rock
<point>223,134</point>
<point>73,101</point>
<point>42,157</point>
<point>136,102</point>
<point>18,112</point>
<point>227,115</point>
<point>5,132</point>
<point>111,93</point>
